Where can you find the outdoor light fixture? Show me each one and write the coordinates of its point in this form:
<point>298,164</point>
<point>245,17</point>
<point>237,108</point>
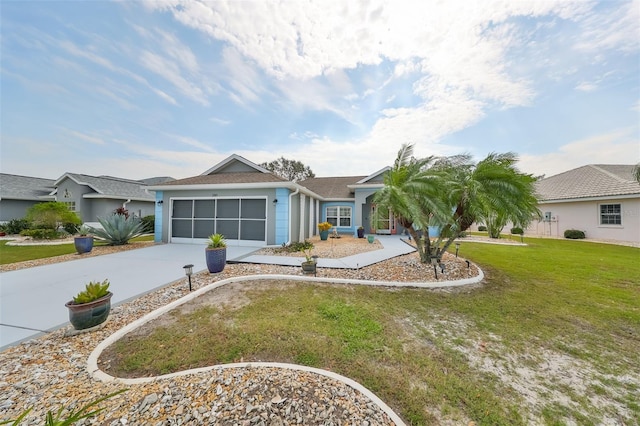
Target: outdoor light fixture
<point>188,270</point>
<point>275,201</point>
<point>434,262</point>
<point>159,202</point>
<point>457,248</point>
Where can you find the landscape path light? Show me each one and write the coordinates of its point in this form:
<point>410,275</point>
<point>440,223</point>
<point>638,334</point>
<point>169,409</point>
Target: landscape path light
<point>188,270</point>
<point>457,247</point>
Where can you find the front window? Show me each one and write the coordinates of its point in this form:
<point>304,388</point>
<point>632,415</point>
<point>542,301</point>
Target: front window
<point>71,205</point>
<point>610,214</point>
<point>339,216</point>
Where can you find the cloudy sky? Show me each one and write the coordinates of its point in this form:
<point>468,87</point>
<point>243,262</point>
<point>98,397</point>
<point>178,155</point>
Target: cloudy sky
<point>137,89</point>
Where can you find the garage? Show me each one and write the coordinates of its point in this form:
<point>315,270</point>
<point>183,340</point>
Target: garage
<point>242,220</point>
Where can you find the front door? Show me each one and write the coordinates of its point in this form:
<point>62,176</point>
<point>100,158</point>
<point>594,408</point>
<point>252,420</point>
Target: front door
<point>383,222</point>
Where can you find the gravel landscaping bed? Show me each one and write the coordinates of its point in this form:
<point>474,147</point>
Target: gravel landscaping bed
<point>49,372</point>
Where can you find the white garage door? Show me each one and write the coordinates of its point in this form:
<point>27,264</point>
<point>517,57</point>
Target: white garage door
<point>243,221</point>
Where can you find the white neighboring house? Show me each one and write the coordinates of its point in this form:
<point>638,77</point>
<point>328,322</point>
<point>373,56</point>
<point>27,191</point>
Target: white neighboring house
<point>601,200</point>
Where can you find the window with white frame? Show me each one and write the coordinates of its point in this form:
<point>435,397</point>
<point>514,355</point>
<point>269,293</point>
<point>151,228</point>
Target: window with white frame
<point>610,214</point>
<point>339,216</point>
<point>71,205</point>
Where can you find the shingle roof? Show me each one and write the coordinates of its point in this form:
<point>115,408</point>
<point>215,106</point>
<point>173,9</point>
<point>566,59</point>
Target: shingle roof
<point>111,186</point>
<point>16,187</point>
<point>594,180</point>
<point>332,187</point>
<point>227,178</point>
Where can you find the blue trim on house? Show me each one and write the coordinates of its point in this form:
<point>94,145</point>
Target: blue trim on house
<point>282,216</point>
<point>341,229</point>
<point>158,219</point>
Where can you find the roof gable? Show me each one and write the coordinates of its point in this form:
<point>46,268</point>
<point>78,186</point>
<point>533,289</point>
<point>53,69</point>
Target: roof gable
<point>594,180</point>
<point>108,186</point>
<point>377,177</point>
<point>235,164</point>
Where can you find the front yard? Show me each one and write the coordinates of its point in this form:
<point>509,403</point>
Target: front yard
<point>551,336</point>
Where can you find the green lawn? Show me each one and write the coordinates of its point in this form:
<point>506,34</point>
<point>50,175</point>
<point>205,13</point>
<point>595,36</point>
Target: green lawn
<point>13,254</point>
<point>549,312</point>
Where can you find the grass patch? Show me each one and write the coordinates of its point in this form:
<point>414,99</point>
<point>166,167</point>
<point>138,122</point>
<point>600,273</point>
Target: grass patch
<point>14,254</point>
<point>414,348</point>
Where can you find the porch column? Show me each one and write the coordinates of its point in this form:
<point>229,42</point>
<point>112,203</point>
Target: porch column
<point>301,217</point>
<point>317,216</point>
<point>312,201</point>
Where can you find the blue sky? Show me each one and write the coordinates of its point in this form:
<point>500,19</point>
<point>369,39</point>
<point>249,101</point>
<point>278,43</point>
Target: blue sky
<point>170,88</point>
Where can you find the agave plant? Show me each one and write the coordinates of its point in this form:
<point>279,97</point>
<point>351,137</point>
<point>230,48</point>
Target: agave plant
<point>118,229</point>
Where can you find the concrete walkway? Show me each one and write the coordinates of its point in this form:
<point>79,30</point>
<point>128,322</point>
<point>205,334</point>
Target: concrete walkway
<point>32,300</point>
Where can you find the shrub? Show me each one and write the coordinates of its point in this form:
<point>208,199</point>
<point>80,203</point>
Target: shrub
<point>122,212</point>
<point>41,233</point>
<point>70,228</point>
<point>298,246</point>
<point>517,231</point>
<point>51,214</point>
<point>482,228</point>
<point>574,234</point>
<point>117,229</point>
<point>16,226</point>
<point>149,224</point>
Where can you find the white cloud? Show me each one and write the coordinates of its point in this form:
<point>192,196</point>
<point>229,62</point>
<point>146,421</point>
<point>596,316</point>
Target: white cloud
<point>617,147</point>
<point>586,87</point>
<point>85,137</point>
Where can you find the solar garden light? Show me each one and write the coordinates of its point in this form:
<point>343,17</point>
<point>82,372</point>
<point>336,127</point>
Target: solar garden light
<point>188,270</point>
<point>457,248</point>
<point>434,262</point>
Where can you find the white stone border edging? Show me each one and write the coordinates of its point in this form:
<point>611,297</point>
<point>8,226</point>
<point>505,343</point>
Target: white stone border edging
<point>96,373</point>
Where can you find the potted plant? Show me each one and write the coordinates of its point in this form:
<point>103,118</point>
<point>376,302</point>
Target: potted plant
<point>216,253</point>
<point>370,238</point>
<point>91,306</point>
<point>310,263</point>
<point>360,231</point>
<point>83,241</point>
<point>324,227</point>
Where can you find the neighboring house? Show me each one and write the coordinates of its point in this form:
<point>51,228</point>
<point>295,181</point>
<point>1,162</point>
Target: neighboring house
<point>89,196</point>
<point>19,193</point>
<point>602,200</point>
<point>98,196</point>
<point>252,206</point>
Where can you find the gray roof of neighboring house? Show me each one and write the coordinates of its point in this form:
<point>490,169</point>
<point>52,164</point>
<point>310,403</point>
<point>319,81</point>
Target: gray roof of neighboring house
<point>591,181</point>
<point>14,187</point>
<point>156,180</point>
<point>111,187</point>
<point>332,187</point>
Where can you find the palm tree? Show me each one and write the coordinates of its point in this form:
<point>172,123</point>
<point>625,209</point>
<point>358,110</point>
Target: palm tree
<point>410,193</point>
<point>493,190</point>
<point>454,192</point>
<point>636,172</point>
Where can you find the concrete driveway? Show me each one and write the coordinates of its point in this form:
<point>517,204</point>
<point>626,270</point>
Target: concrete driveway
<point>32,300</point>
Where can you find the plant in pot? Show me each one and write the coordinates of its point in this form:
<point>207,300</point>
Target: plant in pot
<point>324,227</point>
<point>310,262</point>
<point>216,253</point>
<point>360,231</point>
<point>91,306</point>
<point>83,241</point>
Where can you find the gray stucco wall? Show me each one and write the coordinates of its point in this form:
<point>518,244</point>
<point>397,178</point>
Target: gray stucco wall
<point>14,209</point>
